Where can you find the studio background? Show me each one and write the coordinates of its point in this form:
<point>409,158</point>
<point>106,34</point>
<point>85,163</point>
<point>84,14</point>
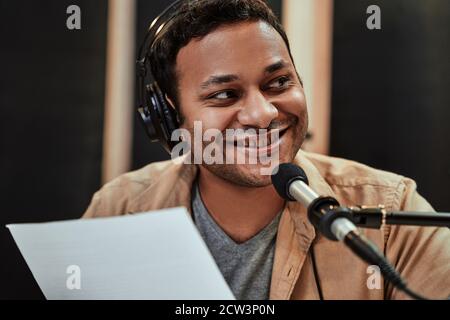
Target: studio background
<point>389,106</point>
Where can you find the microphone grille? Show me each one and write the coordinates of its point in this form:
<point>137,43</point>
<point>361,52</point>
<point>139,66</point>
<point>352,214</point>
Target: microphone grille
<point>284,176</point>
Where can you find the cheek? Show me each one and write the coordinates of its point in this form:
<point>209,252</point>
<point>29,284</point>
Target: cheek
<point>294,103</point>
<point>211,118</point>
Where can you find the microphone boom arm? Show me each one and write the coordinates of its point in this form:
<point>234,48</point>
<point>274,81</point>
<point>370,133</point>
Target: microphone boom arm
<point>374,217</point>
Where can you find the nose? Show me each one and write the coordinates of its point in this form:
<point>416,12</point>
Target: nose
<point>257,111</point>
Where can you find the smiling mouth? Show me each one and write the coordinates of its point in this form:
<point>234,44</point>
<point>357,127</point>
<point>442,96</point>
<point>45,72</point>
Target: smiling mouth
<point>259,141</point>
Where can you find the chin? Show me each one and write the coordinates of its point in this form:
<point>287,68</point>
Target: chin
<point>241,175</point>
<point>256,175</point>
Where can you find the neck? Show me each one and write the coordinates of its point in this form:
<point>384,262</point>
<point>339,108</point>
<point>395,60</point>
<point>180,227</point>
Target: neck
<point>240,211</point>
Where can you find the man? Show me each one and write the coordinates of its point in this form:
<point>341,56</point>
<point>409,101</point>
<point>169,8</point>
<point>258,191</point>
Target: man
<point>227,65</point>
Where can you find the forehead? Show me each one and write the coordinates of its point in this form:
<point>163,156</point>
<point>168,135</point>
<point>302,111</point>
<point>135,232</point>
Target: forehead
<point>231,49</point>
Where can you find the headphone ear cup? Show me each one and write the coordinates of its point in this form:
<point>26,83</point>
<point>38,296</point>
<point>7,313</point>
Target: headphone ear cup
<point>149,116</point>
<point>167,116</point>
<point>146,114</point>
<point>159,119</point>
<point>145,118</point>
<point>170,114</point>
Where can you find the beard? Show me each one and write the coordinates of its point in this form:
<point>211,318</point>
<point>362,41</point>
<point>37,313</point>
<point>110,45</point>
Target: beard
<point>249,175</point>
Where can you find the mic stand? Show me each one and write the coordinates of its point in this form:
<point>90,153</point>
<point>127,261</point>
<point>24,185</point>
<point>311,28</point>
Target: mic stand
<point>374,217</point>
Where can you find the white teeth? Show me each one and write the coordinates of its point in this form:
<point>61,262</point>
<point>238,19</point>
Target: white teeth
<point>259,141</point>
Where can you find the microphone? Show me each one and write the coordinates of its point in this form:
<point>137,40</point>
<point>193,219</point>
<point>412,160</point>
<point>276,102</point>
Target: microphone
<point>291,184</point>
<point>333,221</point>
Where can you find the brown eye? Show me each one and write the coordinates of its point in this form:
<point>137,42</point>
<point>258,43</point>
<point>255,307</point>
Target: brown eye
<point>280,83</point>
<point>223,95</point>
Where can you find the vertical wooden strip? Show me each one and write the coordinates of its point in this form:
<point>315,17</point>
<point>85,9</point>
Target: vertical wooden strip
<point>308,24</point>
<point>323,48</point>
<point>119,89</point>
<point>298,20</point>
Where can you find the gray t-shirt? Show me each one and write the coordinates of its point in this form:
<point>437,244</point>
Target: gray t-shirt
<point>246,267</point>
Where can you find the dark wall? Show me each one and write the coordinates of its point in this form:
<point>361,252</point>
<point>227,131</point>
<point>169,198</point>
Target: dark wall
<point>391,98</point>
<point>276,7</point>
<point>51,115</point>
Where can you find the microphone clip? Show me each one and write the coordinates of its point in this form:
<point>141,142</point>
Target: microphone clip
<point>323,211</point>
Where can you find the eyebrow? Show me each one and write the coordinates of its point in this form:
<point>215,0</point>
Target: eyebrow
<point>219,79</point>
<point>227,78</point>
<point>275,67</point>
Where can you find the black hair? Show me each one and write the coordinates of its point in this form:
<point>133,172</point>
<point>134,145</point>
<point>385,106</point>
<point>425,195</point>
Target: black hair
<point>196,19</point>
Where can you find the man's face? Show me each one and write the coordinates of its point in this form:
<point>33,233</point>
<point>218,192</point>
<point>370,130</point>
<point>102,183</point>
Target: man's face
<point>241,77</point>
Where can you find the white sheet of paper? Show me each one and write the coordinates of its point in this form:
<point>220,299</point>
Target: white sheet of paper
<point>156,255</point>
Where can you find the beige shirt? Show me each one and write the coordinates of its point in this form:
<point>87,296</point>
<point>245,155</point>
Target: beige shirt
<point>420,254</point>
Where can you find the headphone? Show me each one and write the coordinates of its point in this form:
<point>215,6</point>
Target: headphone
<point>159,118</point>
